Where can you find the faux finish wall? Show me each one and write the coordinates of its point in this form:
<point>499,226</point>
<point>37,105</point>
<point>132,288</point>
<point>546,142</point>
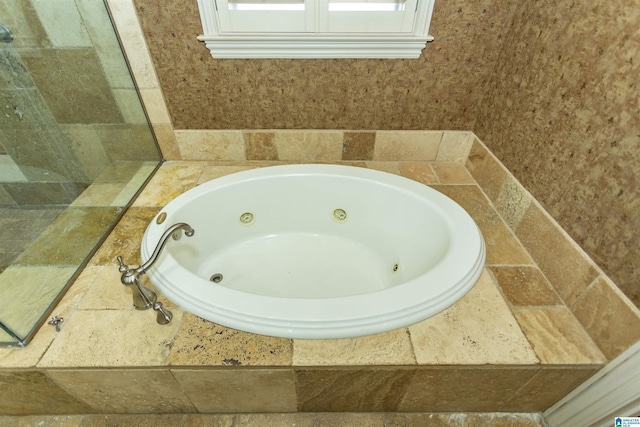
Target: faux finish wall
<point>437,91</point>
<point>563,114</point>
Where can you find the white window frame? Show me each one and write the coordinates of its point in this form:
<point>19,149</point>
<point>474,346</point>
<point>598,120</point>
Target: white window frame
<point>317,43</point>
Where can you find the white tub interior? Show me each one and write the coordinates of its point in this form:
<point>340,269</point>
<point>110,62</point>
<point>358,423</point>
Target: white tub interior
<point>294,267</point>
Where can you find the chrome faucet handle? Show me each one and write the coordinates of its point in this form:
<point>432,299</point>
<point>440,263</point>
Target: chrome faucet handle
<point>163,316</point>
<point>143,297</point>
<point>129,275</point>
<point>123,267</point>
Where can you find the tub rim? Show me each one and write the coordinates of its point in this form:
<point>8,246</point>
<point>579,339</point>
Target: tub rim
<point>335,317</point>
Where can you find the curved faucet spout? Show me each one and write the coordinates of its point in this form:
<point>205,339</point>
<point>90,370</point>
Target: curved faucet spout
<point>144,298</point>
<point>173,231</point>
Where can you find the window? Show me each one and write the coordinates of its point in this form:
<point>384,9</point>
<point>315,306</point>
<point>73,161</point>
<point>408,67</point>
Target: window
<point>315,28</point>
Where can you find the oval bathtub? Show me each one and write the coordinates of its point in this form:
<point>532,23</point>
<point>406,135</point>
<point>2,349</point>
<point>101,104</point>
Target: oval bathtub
<point>316,251</point>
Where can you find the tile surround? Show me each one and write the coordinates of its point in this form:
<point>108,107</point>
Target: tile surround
<point>512,348</point>
<point>498,419</point>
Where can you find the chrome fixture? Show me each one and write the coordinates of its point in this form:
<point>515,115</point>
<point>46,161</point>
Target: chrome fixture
<point>143,297</point>
<point>55,321</point>
<point>6,36</point>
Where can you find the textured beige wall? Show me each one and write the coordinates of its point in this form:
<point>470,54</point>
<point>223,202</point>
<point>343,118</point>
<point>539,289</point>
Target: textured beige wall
<point>437,91</point>
<point>563,113</point>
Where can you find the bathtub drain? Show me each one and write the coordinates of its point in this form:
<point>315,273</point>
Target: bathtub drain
<point>216,278</point>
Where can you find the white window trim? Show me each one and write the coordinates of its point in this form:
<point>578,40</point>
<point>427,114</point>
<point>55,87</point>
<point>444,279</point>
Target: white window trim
<point>315,45</point>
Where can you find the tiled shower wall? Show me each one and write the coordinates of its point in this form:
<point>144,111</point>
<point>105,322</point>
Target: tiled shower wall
<point>550,86</point>
<point>68,106</point>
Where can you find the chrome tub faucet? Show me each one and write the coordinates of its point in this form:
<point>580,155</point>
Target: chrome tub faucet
<point>143,297</point>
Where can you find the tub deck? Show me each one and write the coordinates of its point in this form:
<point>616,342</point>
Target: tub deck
<point>510,345</point>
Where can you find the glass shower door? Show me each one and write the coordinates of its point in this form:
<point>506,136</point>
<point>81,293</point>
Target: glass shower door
<point>75,147</point>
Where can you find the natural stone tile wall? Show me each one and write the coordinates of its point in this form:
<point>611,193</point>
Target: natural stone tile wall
<point>69,102</point>
<point>289,419</point>
<point>322,145</point>
<point>609,317</point>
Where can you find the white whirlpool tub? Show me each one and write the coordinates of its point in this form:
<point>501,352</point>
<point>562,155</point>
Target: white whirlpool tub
<point>315,251</point>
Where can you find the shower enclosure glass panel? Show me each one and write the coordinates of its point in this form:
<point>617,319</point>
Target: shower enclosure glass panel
<point>75,147</point>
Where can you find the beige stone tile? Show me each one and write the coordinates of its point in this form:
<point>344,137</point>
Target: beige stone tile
<point>211,145</point>
<point>30,355</point>
<point>502,246</point>
<point>54,246</point>
<point>351,390</point>
<point>355,164</point>
<point>418,171</point>
<point>62,22</point>
<point>167,143</point>
<point>455,146</point>
<point>463,419</point>
<point>199,342</point>
<point>486,169</point>
<point>260,146</point>
<point>479,329</point>
<point>143,420</point>
<point>239,390</point>
<point>547,387</point>
<point>463,389</point>
<point>87,149</point>
<point>105,291</point>
<point>407,145</point>
<point>197,420</point>
<point>126,238</point>
<point>28,292</point>
<point>114,391</point>
<point>452,173</point>
<point>98,195</point>
<point>611,320</point>
<point>16,14</point>
<point>42,420</point>
<point>557,337</point>
<point>212,172</point>
<point>32,392</point>
<point>117,141</point>
<point>274,420</point>
<point>323,419</point>
<point>134,185</point>
<point>122,172</point>
<point>111,338</point>
<point>129,104</point>
<point>59,72</point>
<point>564,264</point>
<point>358,145</point>
<point>390,167</point>
<point>171,180</point>
<point>125,18</point>
<point>525,285</point>
<point>389,348</point>
<point>155,106</point>
<point>304,146</point>
<point>433,420</point>
<point>513,202</point>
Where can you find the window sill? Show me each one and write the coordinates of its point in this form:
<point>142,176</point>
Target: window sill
<point>314,46</point>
